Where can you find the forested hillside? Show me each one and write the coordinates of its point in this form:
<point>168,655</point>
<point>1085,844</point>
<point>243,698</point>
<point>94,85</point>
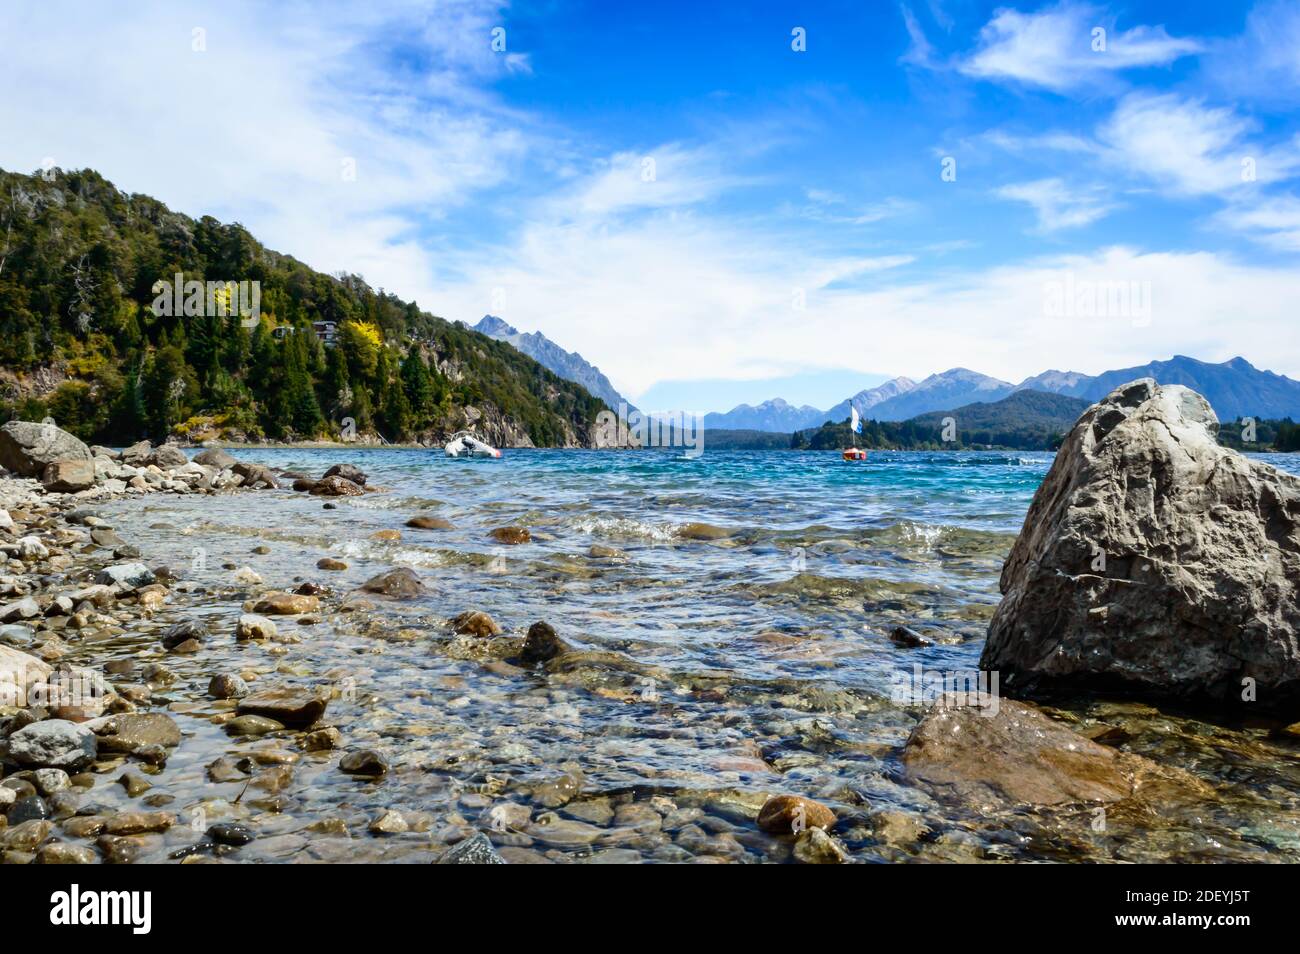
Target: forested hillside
<point>80,342</point>
<point>1025,420</point>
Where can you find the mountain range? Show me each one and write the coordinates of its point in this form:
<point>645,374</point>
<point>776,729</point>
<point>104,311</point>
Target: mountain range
<point>567,364</point>
<point>1235,389</point>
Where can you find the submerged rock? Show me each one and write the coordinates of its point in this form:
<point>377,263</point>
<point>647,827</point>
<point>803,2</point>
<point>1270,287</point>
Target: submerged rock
<point>429,523</point>
<point>131,732</point>
<point>181,633</point>
<point>1011,754</point>
<point>511,535</point>
<point>400,583</point>
<point>335,487</point>
<point>702,531</point>
<point>542,644</point>
<point>349,472</point>
<point>474,850</point>
<point>286,604</point>
<point>1152,558</point>
<point>366,762</point>
<point>252,626</point>
<point>287,705</point>
<point>792,814</point>
<point>475,623</point>
<point>815,847</point>
<point>227,686</point>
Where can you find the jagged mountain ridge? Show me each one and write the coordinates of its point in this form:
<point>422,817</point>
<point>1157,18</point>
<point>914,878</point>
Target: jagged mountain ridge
<point>567,364</point>
<point>1234,388</point>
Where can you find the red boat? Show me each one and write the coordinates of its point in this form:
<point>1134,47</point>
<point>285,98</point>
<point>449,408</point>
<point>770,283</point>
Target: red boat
<point>854,453</point>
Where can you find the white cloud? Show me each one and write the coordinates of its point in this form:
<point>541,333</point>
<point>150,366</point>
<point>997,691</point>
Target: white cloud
<point>652,280</point>
<point>1273,221</point>
<point>920,52</point>
<point>1264,62</point>
<point>668,176</point>
<point>678,296</point>
<point>1057,205</point>
<point>1054,47</point>
<point>1188,148</point>
<point>257,125</point>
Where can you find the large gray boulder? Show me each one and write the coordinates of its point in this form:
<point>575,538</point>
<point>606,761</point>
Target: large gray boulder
<point>27,449</point>
<point>1153,559</point>
<point>167,456</point>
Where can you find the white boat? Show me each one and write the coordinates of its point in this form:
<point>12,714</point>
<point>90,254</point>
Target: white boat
<point>465,444</point>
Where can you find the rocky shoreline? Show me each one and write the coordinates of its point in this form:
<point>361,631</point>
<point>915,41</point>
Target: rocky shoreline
<point>69,730</point>
<point>145,716</point>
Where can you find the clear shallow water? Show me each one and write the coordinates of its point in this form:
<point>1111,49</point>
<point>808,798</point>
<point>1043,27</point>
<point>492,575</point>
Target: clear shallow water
<point>756,661</point>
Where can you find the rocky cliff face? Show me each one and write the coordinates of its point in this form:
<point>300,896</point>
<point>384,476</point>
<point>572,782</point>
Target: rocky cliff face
<point>1154,559</point>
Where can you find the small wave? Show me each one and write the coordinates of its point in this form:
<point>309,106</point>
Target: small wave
<point>624,528</point>
<point>1002,460</point>
<point>389,553</point>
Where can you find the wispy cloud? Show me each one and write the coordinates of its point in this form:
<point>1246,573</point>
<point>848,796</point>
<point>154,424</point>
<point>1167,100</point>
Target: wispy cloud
<point>1057,205</point>
<point>920,52</point>
<point>1184,147</point>
<point>1274,221</point>
<point>1057,48</point>
<point>1263,63</point>
<point>290,119</point>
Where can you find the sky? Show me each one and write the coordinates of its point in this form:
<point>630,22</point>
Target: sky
<point>718,203</point>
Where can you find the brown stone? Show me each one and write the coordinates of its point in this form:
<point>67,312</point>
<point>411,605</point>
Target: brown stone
<point>511,535</point>
<point>335,487</point>
<point>289,705</point>
<point>790,814</point>
<point>703,531</point>
<point>475,623</point>
<point>400,583</point>
<point>69,476</point>
<point>1015,755</point>
<point>286,604</point>
<point>429,523</point>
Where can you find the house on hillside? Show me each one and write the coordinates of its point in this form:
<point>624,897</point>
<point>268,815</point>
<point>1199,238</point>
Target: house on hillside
<point>325,331</point>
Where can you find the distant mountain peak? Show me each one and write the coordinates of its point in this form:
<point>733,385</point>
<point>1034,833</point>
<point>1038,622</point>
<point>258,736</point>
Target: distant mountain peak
<point>494,327</point>
<point>567,364</point>
<point>1234,388</point>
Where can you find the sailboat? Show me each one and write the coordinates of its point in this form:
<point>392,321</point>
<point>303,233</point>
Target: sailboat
<point>855,425</point>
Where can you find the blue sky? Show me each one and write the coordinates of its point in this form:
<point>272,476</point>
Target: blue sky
<point>708,214</point>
